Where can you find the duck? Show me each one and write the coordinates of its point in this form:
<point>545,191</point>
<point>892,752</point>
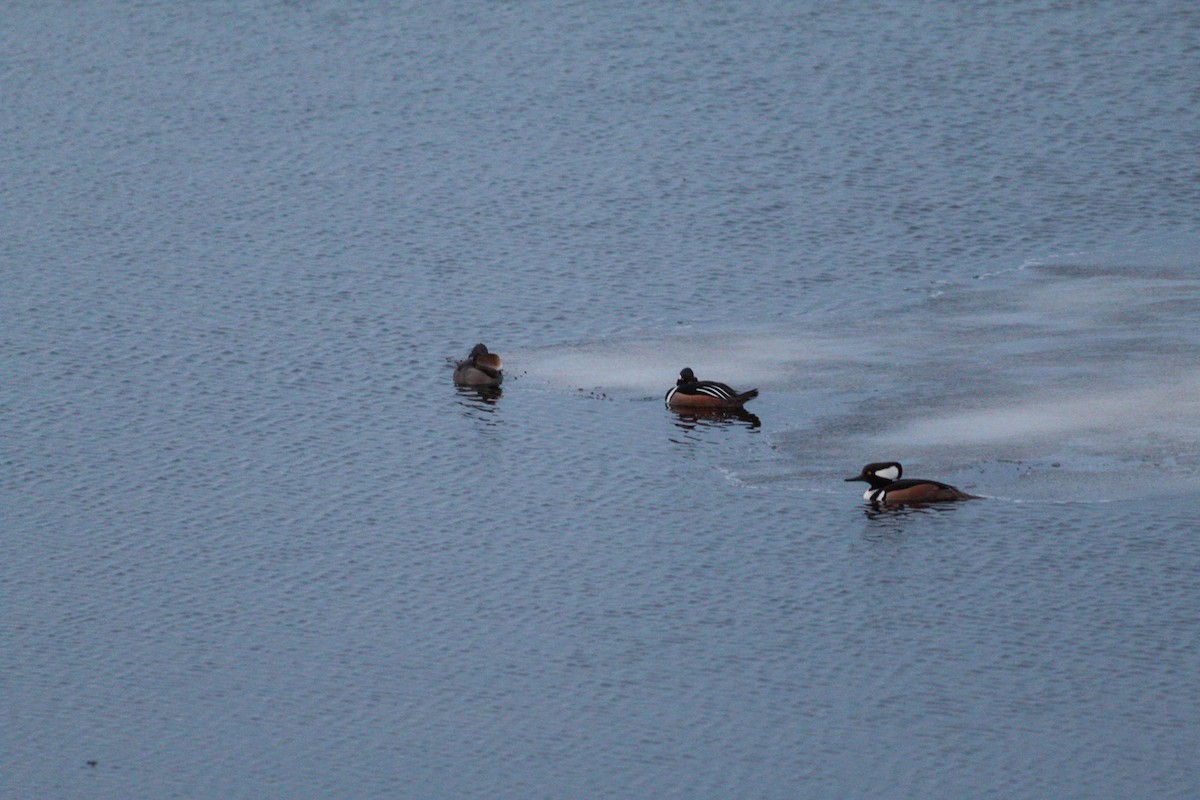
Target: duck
<point>480,369</point>
<point>888,489</point>
<point>691,393</point>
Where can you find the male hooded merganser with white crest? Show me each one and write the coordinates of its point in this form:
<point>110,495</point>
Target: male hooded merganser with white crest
<point>691,393</point>
<point>481,369</point>
<point>887,488</point>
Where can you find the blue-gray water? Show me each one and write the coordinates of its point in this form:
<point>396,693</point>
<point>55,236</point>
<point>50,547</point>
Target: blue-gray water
<point>256,545</point>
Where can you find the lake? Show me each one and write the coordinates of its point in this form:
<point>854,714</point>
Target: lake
<point>256,544</point>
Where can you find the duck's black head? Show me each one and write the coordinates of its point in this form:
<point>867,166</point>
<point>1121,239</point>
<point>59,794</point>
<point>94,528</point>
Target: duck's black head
<point>479,350</point>
<point>879,473</point>
<point>686,376</point>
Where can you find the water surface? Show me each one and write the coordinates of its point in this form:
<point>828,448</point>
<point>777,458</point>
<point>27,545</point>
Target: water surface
<point>257,545</point>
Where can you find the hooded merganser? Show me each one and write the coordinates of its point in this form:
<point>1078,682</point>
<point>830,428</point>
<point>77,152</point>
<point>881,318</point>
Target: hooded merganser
<point>481,369</point>
<point>691,393</point>
<point>887,488</point>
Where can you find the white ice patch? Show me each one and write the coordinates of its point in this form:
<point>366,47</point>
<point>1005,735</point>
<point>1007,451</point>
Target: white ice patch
<point>744,360</point>
<point>1168,409</point>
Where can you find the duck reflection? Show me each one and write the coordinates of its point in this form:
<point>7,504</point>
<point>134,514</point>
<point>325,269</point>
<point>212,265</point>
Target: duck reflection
<point>883,511</point>
<point>479,398</point>
<point>695,418</point>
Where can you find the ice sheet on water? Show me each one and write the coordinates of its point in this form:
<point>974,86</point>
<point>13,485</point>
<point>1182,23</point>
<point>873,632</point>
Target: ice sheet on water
<point>1082,372</point>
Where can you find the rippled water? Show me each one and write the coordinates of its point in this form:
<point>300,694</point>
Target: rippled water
<point>257,545</point>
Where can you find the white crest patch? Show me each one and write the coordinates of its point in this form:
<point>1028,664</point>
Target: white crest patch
<point>889,473</point>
